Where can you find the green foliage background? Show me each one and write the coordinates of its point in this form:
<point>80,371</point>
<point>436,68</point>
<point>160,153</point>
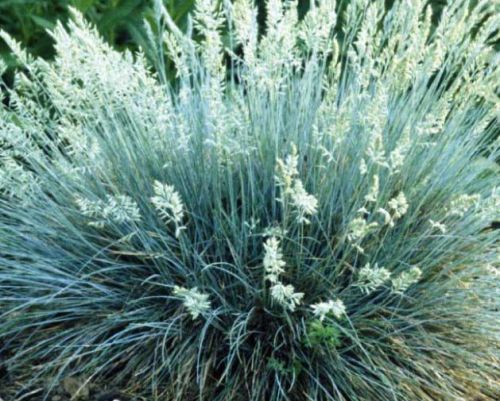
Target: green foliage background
<point>120,22</point>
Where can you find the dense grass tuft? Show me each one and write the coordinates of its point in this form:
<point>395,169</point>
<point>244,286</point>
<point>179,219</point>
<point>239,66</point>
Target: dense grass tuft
<point>291,219</point>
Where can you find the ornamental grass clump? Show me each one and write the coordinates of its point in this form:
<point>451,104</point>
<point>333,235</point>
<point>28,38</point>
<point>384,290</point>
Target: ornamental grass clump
<point>304,213</point>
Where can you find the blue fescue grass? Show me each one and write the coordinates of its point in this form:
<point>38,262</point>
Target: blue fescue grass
<point>175,297</point>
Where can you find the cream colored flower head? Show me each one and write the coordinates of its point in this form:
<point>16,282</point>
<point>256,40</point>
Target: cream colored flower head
<point>286,296</point>
<point>195,301</point>
<point>335,308</point>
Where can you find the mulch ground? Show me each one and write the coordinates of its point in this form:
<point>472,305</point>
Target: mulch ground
<point>70,389</point>
<point>13,388</point>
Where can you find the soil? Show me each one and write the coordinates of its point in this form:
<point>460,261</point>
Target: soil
<point>70,389</point>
